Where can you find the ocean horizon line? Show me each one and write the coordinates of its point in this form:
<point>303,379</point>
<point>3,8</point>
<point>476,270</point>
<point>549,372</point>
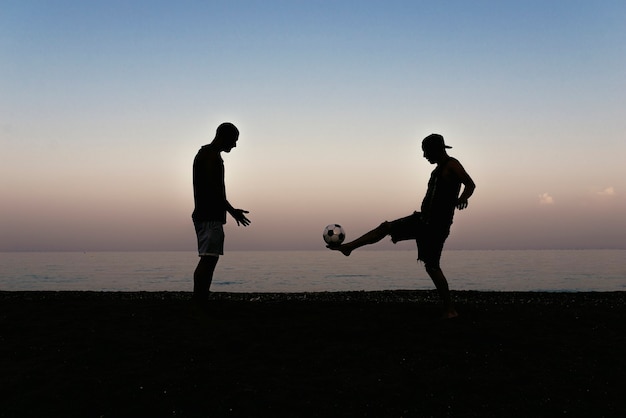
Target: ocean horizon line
<point>315,270</point>
<point>312,250</point>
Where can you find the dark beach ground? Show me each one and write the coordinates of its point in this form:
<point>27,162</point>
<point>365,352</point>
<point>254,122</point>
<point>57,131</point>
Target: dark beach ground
<point>354,354</point>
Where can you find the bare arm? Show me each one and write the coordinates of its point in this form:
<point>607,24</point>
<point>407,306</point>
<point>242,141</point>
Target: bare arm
<point>468,184</point>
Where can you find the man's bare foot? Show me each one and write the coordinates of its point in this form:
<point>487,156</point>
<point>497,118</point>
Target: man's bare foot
<point>345,250</point>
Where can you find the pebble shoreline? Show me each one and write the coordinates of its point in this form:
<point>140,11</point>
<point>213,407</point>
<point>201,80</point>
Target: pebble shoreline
<point>343,354</point>
<point>386,296</point>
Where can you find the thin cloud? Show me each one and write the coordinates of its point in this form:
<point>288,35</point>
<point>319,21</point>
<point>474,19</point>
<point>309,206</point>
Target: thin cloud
<point>609,191</point>
<point>546,199</point>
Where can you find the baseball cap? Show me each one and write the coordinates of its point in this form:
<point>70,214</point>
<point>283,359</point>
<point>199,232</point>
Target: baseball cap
<point>434,141</point>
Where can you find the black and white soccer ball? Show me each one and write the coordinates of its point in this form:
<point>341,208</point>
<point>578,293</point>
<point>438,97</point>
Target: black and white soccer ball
<point>334,234</point>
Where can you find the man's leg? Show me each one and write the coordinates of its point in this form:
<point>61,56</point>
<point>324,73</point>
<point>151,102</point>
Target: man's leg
<point>203,276</point>
<point>438,278</point>
<point>370,237</point>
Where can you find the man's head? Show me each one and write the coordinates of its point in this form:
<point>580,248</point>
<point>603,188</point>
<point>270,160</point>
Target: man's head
<point>226,136</point>
<point>434,148</point>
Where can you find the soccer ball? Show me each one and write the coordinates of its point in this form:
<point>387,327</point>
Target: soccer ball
<point>334,234</point>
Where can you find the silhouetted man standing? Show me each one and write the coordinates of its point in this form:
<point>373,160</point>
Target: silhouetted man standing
<point>209,215</point>
<point>431,226</point>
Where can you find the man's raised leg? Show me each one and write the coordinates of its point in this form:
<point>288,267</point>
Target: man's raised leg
<point>370,237</point>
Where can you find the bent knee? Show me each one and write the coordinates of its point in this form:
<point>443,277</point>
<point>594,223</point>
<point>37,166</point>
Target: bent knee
<point>432,267</point>
<point>385,226</point>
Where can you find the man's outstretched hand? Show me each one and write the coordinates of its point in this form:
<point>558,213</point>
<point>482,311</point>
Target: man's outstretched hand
<point>240,217</point>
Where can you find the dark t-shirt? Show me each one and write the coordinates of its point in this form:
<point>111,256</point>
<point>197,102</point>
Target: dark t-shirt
<point>441,197</point>
<point>209,191</point>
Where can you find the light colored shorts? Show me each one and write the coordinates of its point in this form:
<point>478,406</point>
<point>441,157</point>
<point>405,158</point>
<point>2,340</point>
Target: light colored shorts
<point>210,236</point>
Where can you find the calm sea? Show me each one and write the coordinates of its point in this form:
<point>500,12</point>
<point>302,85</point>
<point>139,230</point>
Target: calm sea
<point>314,271</point>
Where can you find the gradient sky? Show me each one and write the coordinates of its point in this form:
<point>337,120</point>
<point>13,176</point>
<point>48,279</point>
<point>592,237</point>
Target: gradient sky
<point>103,105</point>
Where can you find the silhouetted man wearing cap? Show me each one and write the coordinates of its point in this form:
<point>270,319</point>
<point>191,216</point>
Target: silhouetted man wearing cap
<point>431,226</point>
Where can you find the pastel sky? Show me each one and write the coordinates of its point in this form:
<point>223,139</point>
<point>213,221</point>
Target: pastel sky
<point>103,105</point>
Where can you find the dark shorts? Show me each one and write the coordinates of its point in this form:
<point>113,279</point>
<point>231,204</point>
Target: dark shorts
<point>429,238</point>
<point>210,236</point>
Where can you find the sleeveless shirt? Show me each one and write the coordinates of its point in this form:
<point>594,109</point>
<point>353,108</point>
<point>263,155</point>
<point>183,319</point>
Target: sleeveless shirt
<point>441,197</point>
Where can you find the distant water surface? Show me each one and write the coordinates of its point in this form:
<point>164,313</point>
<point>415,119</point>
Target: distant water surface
<point>314,271</point>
